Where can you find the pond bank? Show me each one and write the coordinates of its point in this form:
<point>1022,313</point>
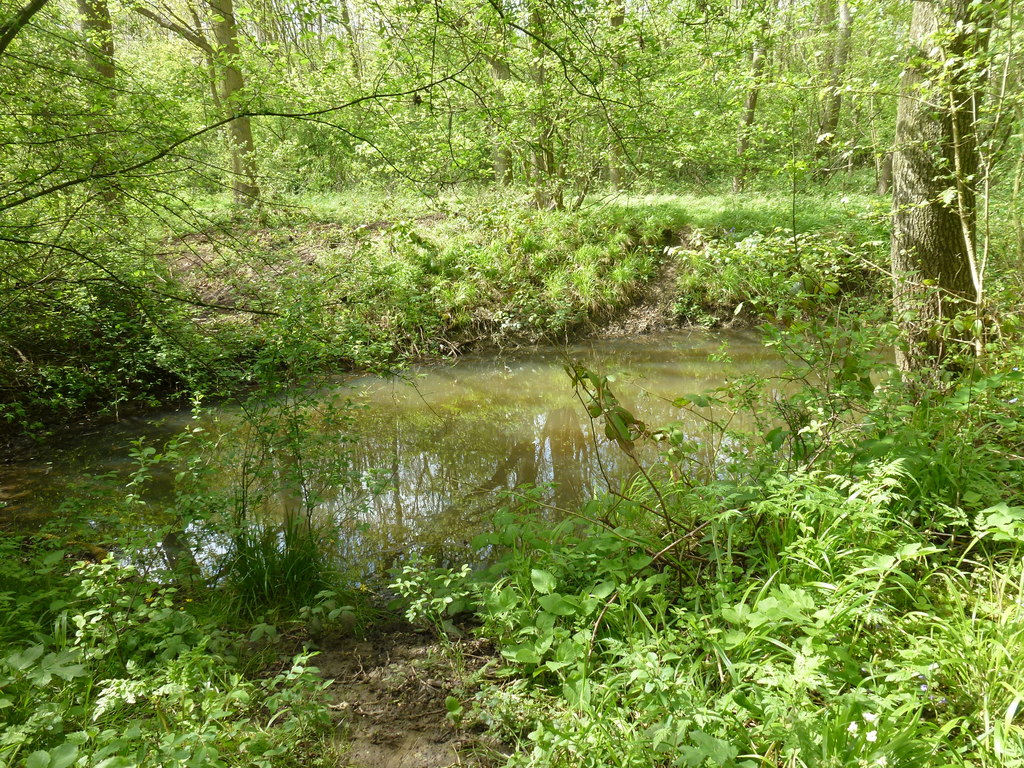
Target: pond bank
<point>305,292</point>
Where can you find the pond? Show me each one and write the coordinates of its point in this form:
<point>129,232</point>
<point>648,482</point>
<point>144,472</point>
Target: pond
<point>417,462</point>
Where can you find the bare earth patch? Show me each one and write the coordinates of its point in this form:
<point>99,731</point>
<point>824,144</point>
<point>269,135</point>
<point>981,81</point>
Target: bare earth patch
<point>652,310</point>
<point>389,695</point>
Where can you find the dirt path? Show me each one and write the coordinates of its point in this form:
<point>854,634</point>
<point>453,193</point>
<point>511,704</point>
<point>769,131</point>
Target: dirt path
<point>653,310</point>
<point>389,700</point>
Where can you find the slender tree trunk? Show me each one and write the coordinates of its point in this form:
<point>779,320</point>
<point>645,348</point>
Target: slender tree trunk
<point>1015,208</point>
<point>934,162</point>
<point>243,161</point>
<point>353,40</point>
<point>94,18</point>
<point>616,172</point>
<point>546,184</point>
<point>883,173</point>
<point>747,117</point>
<point>501,155</point>
<point>10,29</point>
<point>833,100</point>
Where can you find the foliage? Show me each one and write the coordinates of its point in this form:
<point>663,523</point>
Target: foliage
<point>103,667</point>
<point>777,274</point>
<point>434,595</point>
<point>839,586</point>
<point>849,600</point>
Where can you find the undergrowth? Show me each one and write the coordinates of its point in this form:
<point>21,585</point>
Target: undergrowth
<point>180,647</point>
<point>841,588</point>
<point>101,666</point>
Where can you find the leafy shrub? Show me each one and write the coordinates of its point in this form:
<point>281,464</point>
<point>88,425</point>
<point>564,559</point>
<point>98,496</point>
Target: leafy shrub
<point>120,671</point>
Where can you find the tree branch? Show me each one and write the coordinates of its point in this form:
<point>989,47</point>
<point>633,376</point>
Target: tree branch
<point>10,29</point>
<point>167,150</point>
<point>197,40</point>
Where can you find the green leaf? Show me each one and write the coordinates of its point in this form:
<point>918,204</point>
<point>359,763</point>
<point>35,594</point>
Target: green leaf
<point>640,561</point>
<point>543,581</point>
<point>38,759</point>
<point>64,755</point>
<point>744,701</point>
<point>25,659</point>
<point>558,605</point>
<point>776,438</point>
<point>603,590</point>
<point>718,751</point>
<point>524,654</point>
<point>57,665</point>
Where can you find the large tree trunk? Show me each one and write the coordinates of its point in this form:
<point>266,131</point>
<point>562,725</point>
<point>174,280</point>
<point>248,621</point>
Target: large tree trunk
<point>836,67</point>
<point>244,188</point>
<point>934,162</point>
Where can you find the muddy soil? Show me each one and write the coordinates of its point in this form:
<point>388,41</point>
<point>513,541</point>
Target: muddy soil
<point>388,699</point>
<point>652,310</point>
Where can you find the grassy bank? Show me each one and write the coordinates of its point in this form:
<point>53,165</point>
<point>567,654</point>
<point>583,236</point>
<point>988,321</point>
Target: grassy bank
<point>208,303</point>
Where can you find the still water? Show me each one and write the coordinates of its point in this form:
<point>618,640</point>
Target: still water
<point>422,460</point>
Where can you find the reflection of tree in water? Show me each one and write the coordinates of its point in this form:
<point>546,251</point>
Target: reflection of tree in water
<point>570,451</point>
<point>445,468</point>
<point>441,453</point>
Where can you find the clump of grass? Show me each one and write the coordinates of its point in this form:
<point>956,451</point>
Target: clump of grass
<point>277,568</point>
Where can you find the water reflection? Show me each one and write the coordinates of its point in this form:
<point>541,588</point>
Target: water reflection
<point>449,439</point>
<point>433,450</point>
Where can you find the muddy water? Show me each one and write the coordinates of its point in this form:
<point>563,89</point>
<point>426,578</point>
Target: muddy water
<point>434,449</point>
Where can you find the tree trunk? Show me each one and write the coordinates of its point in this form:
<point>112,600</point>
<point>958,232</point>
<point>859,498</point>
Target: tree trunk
<point>243,161</point>
<point>883,173</point>
<point>616,172</point>
<point>501,155</point>
<point>833,101</point>
<point>10,29</point>
<point>757,61</point>
<point>353,40</point>
<point>1015,208</point>
<point>94,18</point>
<point>934,161</point>
<point>547,188</point>
<point>99,32</point>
